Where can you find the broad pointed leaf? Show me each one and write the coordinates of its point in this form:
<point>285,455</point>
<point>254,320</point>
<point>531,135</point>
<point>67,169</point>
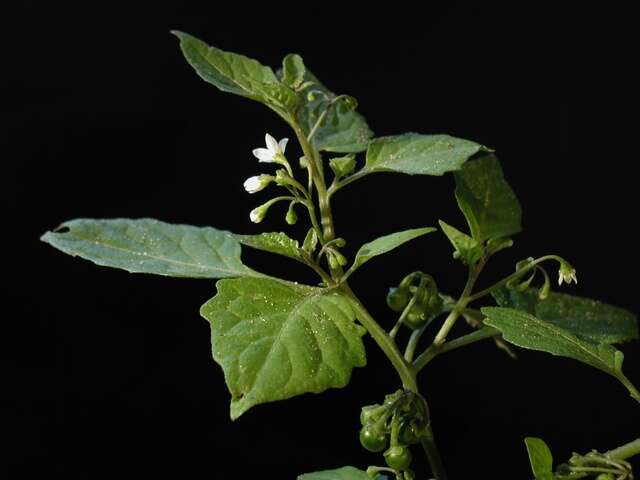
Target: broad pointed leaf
<point>540,458</point>
<point>387,243</point>
<point>468,250</point>
<point>234,73</point>
<point>588,319</point>
<point>151,246</point>
<point>527,331</point>
<point>230,72</point>
<point>275,339</point>
<point>486,199</point>
<point>417,154</point>
<point>344,473</point>
<point>274,242</point>
<point>342,132</point>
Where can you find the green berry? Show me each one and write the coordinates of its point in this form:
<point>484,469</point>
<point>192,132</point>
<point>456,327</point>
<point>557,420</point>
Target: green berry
<point>397,299</point>
<point>398,457</point>
<point>372,439</point>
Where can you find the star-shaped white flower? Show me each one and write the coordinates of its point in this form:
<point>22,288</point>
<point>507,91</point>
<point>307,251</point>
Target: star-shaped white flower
<point>274,153</point>
<point>567,274</point>
<point>256,183</point>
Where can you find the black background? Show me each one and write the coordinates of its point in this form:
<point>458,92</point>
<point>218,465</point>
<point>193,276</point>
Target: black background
<point>106,373</point>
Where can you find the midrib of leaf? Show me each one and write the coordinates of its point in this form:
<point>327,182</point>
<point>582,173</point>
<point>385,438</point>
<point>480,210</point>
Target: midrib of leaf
<point>196,264</point>
<point>574,341</point>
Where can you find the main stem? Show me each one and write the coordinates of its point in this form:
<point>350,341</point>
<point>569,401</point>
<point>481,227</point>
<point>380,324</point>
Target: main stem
<point>326,218</point>
<point>405,371</point>
<point>386,343</point>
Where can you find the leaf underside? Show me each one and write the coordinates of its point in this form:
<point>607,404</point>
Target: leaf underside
<point>150,246</point>
<point>276,339</point>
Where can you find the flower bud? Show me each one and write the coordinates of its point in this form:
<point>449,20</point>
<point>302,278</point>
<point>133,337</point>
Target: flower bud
<point>291,218</point>
<point>256,183</point>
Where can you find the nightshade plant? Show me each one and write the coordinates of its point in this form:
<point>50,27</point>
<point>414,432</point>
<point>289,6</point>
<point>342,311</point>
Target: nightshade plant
<point>275,339</point>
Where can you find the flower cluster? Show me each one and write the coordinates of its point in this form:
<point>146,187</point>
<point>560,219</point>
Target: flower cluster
<point>274,153</point>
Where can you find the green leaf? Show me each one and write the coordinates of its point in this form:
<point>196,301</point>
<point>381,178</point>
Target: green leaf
<point>527,331</point>
<point>276,339</point>
<point>588,319</point>
<point>468,250</point>
<point>417,154</point>
<point>274,242</point>
<point>293,70</point>
<point>386,243</point>
<point>341,132</point>
<point>234,73</point>
<point>540,458</point>
<point>486,199</point>
<point>230,72</point>
<point>343,166</point>
<point>344,473</point>
<point>151,246</point>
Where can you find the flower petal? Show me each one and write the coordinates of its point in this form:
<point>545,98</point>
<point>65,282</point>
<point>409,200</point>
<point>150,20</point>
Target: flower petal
<point>263,155</point>
<point>252,184</point>
<point>272,145</point>
<point>283,144</point>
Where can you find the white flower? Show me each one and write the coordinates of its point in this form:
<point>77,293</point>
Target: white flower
<point>257,214</point>
<point>256,183</point>
<point>567,274</point>
<point>274,153</point>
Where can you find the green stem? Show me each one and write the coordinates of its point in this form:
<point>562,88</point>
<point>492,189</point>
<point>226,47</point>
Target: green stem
<point>436,347</point>
<point>384,341</point>
<point>413,343</point>
<point>321,273</point>
<point>317,124</point>
<point>405,311</point>
<point>513,276</point>
<point>462,302</point>
<point>405,371</point>
<point>430,448</point>
<point>314,221</point>
<point>625,451</point>
<point>310,153</point>
<point>346,181</point>
<point>630,386</point>
<point>432,352</point>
